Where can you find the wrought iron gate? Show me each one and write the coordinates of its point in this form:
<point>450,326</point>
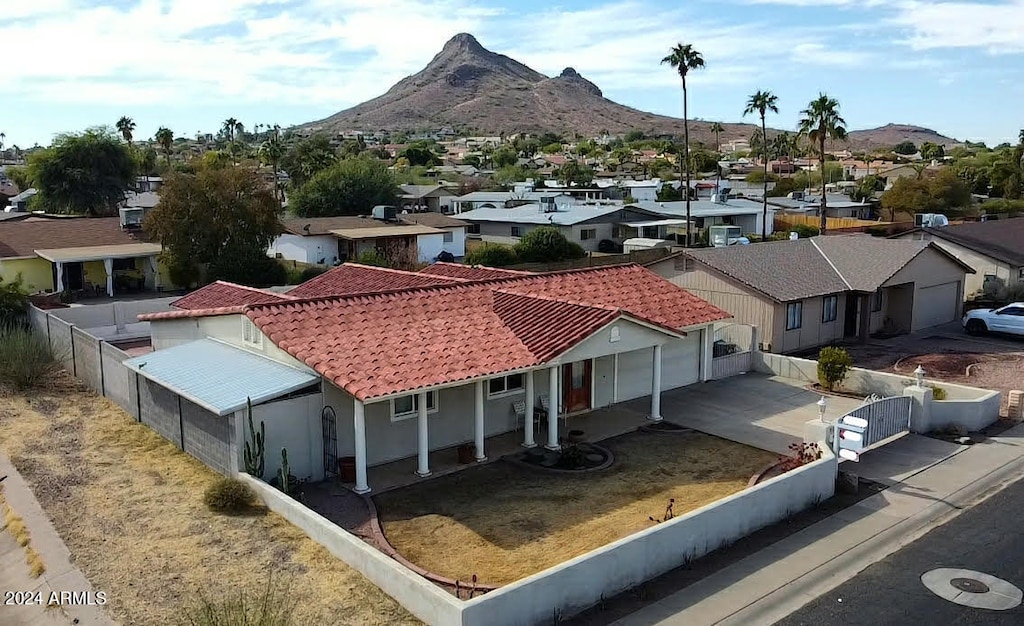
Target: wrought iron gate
<point>329,423</point>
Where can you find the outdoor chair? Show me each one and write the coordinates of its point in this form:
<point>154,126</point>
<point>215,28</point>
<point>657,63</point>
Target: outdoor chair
<point>519,406</point>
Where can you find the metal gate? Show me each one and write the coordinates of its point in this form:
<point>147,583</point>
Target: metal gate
<point>329,423</point>
<point>886,417</point>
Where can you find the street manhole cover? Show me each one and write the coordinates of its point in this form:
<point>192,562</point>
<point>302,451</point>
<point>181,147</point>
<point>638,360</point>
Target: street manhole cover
<point>969,585</point>
<point>973,589</point>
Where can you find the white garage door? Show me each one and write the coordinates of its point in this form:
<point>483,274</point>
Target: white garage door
<point>680,366</point>
<point>680,362</point>
<point>936,305</point>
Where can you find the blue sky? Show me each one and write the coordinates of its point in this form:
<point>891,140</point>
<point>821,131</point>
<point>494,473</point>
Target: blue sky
<point>957,67</point>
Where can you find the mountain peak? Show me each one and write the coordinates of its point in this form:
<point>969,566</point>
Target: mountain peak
<point>570,73</point>
<point>463,42</point>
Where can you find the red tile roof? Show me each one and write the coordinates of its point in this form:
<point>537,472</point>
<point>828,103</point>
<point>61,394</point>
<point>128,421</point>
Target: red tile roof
<point>374,345</point>
<point>351,278</point>
<point>470,272</point>
<point>224,294</point>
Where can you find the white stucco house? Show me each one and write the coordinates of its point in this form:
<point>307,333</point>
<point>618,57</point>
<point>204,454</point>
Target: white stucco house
<point>385,364</point>
<point>333,240</point>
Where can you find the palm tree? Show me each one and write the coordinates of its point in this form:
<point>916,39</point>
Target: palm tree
<point>228,127</point>
<point>1021,136</point>
<point>718,129</point>
<point>126,126</point>
<point>165,137</point>
<point>821,121</point>
<point>684,58</point>
<point>760,103</point>
<point>271,151</point>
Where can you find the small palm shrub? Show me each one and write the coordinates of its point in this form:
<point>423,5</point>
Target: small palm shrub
<point>228,495</point>
<point>26,359</point>
<point>833,365</point>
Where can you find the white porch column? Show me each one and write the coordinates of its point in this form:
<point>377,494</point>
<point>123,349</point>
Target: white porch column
<point>59,287</point>
<point>359,428</point>
<point>479,422</point>
<point>615,379</point>
<point>424,461</point>
<point>155,269</point>
<point>553,403</point>
<point>707,353</point>
<point>528,426</point>
<point>108,267</point>
<point>656,386</point>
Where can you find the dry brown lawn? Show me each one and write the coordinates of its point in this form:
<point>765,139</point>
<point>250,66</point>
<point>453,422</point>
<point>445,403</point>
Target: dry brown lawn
<point>128,504</point>
<point>503,522</point>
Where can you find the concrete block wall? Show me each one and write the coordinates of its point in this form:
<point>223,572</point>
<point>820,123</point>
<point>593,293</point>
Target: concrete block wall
<point>208,437</point>
<point>60,342</point>
<point>160,410</point>
<point>87,359</point>
<point>118,380</point>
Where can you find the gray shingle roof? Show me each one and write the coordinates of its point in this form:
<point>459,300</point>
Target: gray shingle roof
<point>866,262</point>
<point>1002,240</point>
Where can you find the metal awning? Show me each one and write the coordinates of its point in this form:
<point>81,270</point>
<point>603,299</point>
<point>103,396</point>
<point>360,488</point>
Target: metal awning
<point>219,377</point>
<point>405,230</point>
<point>657,223</point>
<point>98,253</point>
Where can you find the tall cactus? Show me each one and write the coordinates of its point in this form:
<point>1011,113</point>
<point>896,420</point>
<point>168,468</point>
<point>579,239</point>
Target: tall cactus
<point>254,454</point>
<point>284,475</point>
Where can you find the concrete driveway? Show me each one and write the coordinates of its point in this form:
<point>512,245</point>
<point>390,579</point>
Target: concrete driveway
<point>767,412</point>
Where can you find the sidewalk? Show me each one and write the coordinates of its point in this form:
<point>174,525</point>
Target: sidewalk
<point>60,574</point>
<point>772,583</point>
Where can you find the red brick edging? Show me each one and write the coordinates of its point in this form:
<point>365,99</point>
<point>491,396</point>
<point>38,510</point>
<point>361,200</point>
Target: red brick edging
<point>758,477</point>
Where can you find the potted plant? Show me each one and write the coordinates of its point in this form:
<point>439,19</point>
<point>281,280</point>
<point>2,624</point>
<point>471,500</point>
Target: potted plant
<point>467,453</point>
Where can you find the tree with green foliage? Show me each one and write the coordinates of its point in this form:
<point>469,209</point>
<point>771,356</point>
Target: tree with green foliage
<point>633,135</point>
<point>905,148</point>
<point>833,366</point>
<point>85,174</point>
<point>821,122</point>
<point>547,244</point>
<point>504,157</point>
<point>165,137</point>
<point>349,187</point>
<point>126,126</point>
<point>573,174</point>
<point>718,129</point>
<point>509,175</point>
<point>218,220</point>
<point>492,255</point>
<point>19,176</point>
<point>932,151</point>
<point>420,153</point>
<point>13,303</point>
<point>762,177</point>
<point>761,103</point>
<point>551,148</point>
<point>936,192</point>
<point>308,157</point>
<point>271,151</point>
<point>684,58</point>
<point>866,189</point>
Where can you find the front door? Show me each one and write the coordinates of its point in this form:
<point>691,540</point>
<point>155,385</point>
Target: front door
<point>576,380</point>
<point>851,317</point>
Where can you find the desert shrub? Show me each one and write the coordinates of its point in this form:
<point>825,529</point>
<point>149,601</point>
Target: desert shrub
<point>572,456</point>
<point>492,256</point>
<point>375,258</point>
<point>805,231</point>
<point>228,495</point>
<point>26,359</point>
<point>293,276</point>
<point>273,606</point>
<point>547,245</point>
<point>938,393</point>
<point>13,303</point>
<point>833,365</point>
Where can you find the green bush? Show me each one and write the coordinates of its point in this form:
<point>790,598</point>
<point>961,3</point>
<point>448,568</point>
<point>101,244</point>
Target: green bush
<point>547,245</point>
<point>274,606</point>
<point>805,231</point>
<point>13,303</point>
<point>253,270</point>
<point>228,495</point>
<point>311,272</point>
<point>938,393</point>
<point>375,258</point>
<point>293,276</point>
<point>26,359</point>
<point>492,256</point>
<point>833,365</point>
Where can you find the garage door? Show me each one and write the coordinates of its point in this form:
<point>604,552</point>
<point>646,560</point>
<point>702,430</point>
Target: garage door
<point>635,374</point>
<point>680,362</point>
<point>935,305</point>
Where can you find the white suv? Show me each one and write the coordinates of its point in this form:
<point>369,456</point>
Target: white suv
<point>1008,319</point>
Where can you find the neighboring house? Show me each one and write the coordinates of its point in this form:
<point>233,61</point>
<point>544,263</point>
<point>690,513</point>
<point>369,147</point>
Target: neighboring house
<point>994,249</point>
<point>814,292</point>
<point>452,241</point>
<point>500,199</point>
<point>705,213</point>
<point>435,198</point>
<point>333,240</point>
<point>838,205</point>
<point>587,225</point>
<point>429,361</point>
<point>89,254</point>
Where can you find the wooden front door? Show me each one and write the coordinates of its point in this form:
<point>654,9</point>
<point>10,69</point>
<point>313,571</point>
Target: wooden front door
<point>576,381</point>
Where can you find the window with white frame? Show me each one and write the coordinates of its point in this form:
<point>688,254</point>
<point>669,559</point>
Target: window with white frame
<point>517,231</point>
<point>406,407</point>
<point>876,301</point>
<point>829,308</point>
<point>588,233</point>
<point>250,334</point>
<point>505,385</point>
<point>448,236</point>
<point>794,315</point>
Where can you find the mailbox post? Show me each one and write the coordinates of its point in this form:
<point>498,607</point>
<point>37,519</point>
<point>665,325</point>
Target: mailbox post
<point>849,435</point>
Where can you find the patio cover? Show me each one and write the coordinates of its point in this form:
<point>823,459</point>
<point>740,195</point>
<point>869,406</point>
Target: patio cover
<point>386,231</point>
<point>98,253</point>
<point>219,377</point>
<point>657,223</point>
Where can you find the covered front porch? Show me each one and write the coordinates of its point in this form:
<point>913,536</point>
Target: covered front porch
<point>98,271</point>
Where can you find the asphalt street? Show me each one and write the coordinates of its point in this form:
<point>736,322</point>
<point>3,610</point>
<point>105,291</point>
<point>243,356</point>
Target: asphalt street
<point>987,538</point>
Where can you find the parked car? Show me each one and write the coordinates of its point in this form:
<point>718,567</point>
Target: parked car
<point>1008,319</point>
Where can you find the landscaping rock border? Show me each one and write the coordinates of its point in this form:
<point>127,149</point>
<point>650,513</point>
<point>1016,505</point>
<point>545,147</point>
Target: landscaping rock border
<point>764,473</point>
<point>513,458</point>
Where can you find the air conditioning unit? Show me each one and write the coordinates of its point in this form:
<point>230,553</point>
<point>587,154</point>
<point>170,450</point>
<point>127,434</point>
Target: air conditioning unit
<point>385,213</point>
<point>131,218</point>
<point>795,195</point>
<point>930,220</point>
<point>547,203</point>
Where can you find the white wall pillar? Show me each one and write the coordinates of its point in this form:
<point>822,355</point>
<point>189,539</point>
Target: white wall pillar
<point>656,386</point>
<point>424,445</point>
<point>615,379</point>
<point>707,353</point>
<point>155,268</point>
<point>59,287</point>
<point>528,441</point>
<point>553,405</point>
<point>359,428</point>
<point>479,422</point>
<point>108,267</point>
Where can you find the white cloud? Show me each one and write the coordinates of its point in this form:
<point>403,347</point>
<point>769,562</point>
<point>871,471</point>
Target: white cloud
<point>995,27</point>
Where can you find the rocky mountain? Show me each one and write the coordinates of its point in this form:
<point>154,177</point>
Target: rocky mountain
<point>892,134</point>
<point>470,89</point>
